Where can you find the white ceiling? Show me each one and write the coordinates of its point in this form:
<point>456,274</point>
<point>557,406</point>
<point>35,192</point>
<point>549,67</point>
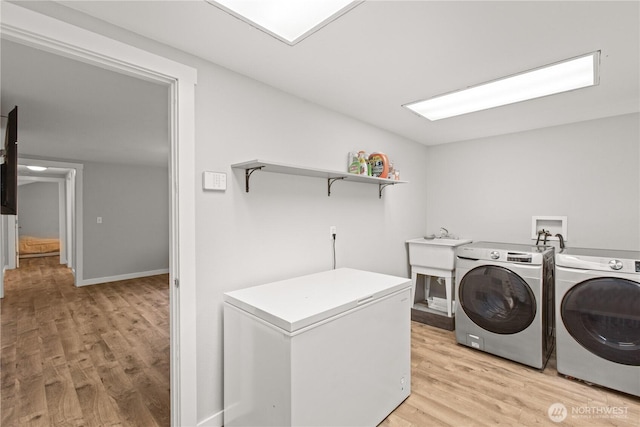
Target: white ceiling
<point>383,54</point>
<point>70,110</point>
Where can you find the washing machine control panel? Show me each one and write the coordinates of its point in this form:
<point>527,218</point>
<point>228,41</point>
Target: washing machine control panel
<point>519,257</point>
<point>615,264</point>
<point>512,256</point>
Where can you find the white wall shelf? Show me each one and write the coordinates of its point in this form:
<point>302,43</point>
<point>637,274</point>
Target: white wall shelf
<point>331,176</point>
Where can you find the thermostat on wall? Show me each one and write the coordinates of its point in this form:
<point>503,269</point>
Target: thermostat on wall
<point>214,181</point>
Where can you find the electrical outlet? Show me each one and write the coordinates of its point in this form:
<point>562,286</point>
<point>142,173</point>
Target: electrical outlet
<point>332,231</point>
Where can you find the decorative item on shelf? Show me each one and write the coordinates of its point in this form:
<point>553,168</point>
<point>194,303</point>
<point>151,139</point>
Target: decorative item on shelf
<point>379,165</point>
<point>353,163</point>
<point>394,173</point>
<point>364,164</point>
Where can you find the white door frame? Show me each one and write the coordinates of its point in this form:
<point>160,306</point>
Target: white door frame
<point>12,250</point>
<point>62,215</point>
<point>71,206</point>
<point>71,224</point>
<point>46,33</point>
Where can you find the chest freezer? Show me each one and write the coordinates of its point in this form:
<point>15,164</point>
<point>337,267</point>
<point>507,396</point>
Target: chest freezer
<point>327,349</point>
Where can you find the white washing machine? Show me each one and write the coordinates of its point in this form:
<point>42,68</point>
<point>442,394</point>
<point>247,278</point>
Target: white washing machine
<point>505,300</point>
<point>598,317</point>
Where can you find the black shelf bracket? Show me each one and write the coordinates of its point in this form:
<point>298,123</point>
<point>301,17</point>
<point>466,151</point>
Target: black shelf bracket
<point>247,176</point>
<point>381,187</point>
<point>330,182</point>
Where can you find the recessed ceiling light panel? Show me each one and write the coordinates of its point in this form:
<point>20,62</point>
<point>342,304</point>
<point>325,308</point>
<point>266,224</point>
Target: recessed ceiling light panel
<point>560,77</point>
<point>287,20</point>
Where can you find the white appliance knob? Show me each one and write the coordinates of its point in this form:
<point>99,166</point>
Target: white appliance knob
<point>615,264</point>
<point>495,254</point>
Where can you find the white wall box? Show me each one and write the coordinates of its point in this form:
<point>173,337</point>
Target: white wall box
<point>327,349</point>
<point>553,224</point>
<point>331,176</point>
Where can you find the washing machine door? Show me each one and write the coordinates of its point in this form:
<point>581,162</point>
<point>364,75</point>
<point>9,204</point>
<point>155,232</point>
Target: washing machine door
<point>603,315</point>
<point>497,299</point>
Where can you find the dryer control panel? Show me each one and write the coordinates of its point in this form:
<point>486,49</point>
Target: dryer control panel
<point>599,260</point>
<point>504,252</point>
<point>518,257</point>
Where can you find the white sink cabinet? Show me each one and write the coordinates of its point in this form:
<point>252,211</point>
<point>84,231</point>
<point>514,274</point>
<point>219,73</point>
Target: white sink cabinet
<point>435,258</point>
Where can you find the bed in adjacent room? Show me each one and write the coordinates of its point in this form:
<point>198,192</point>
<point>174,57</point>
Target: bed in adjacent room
<point>30,246</point>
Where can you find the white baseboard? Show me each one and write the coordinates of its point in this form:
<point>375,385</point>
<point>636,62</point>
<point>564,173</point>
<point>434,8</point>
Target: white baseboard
<point>128,276</point>
<point>214,420</point>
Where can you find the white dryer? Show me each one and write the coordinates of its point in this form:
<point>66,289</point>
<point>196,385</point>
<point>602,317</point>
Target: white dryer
<point>505,300</point>
<point>598,317</point>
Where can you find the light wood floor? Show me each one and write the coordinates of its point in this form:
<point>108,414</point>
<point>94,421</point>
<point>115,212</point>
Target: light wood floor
<point>90,356</point>
<point>454,385</point>
<point>99,356</point>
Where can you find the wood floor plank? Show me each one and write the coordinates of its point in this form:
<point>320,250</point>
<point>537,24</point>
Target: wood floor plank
<point>8,365</point>
<point>51,347</point>
<point>32,402</point>
<point>152,387</point>
<point>97,407</point>
<point>130,404</point>
<point>9,388</point>
<point>155,316</point>
<point>62,400</point>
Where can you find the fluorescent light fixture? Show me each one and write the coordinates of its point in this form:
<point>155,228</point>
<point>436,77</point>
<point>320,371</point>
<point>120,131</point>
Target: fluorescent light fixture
<point>287,20</point>
<point>37,168</point>
<point>560,77</point>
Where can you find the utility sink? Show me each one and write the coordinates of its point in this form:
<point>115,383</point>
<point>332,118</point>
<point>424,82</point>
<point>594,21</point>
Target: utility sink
<point>438,253</point>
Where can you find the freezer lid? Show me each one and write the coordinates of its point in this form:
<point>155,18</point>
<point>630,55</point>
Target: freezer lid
<point>296,303</point>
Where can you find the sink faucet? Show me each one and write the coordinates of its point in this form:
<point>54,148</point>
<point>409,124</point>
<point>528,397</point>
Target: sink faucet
<point>559,236</point>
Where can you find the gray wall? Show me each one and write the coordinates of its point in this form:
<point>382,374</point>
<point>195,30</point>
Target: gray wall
<point>38,209</point>
<point>488,189</point>
<point>280,229</point>
<point>133,202</point>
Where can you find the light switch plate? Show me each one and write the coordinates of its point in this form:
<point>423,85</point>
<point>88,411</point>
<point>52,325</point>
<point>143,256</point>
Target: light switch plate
<point>214,181</point>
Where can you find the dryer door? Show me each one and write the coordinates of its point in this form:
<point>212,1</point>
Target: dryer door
<point>497,299</point>
<point>603,315</point>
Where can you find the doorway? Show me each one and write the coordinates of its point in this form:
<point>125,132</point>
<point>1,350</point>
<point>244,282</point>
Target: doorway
<point>27,27</point>
<point>65,175</point>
